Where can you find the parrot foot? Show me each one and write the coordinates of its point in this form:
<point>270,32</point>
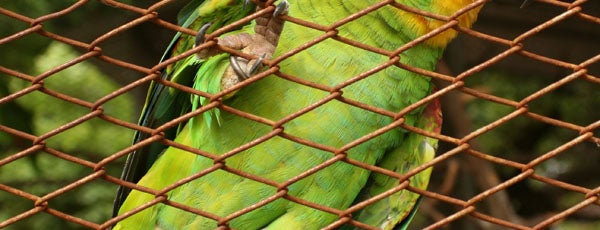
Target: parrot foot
<point>261,44</point>
<point>245,74</point>
<point>201,35</point>
<point>281,8</point>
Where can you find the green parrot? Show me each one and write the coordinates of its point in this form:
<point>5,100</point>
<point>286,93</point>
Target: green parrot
<point>335,124</point>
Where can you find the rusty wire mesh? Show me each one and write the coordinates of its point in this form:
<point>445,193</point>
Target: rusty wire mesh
<point>490,205</point>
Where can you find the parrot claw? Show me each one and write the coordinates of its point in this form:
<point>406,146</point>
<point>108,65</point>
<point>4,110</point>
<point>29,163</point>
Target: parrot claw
<point>261,45</point>
<point>240,72</point>
<point>257,65</point>
<point>200,36</point>
<point>281,8</point>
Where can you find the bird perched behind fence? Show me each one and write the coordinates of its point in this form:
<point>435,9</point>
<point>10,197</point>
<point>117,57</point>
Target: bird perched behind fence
<point>339,131</point>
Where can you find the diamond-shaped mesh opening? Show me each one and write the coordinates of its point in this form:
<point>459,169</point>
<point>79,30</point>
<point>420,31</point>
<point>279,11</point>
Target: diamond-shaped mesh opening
<point>519,91</point>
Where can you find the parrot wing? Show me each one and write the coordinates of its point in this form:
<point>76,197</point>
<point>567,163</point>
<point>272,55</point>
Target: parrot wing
<point>163,103</point>
<point>396,211</point>
<point>219,193</point>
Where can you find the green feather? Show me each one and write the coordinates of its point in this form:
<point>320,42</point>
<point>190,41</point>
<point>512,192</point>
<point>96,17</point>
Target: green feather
<point>208,79</point>
<point>334,124</point>
<point>164,104</point>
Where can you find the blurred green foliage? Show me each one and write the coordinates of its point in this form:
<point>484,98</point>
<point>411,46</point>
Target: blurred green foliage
<point>92,140</point>
<point>38,113</point>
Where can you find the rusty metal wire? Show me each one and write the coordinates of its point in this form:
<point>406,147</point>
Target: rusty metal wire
<point>459,145</point>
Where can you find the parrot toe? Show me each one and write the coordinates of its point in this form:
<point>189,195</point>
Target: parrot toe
<point>201,38</point>
<point>257,64</point>
<point>243,68</point>
<point>261,44</point>
<point>237,68</point>
<point>281,8</point>
<point>201,35</point>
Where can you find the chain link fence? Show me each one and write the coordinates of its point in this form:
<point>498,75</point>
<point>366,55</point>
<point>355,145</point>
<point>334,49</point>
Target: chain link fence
<point>520,92</point>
